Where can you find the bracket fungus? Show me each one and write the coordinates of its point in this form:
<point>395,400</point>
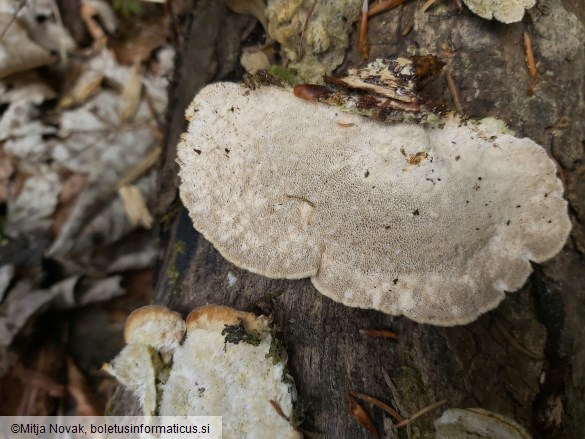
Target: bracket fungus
<point>200,367</point>
<point>431,221</point>
<point>506,11</point>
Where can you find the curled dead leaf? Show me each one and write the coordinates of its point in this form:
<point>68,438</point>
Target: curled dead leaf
<point>361,416</point>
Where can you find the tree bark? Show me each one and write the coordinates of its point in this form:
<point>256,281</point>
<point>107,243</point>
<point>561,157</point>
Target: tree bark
<point>526,359</point>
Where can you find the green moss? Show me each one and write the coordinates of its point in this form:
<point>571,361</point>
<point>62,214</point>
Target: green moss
<point>285,75</point>
<point>274,299</point>
<point>128,8</point>
<point>299,413</point>
<point>415,395</point>
<point>173,274</point>
<point>277,351</point>
<point>167,220</point>
<point>237,333</point>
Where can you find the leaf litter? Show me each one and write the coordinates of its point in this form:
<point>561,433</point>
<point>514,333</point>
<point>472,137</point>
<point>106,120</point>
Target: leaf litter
<point>78,143</point>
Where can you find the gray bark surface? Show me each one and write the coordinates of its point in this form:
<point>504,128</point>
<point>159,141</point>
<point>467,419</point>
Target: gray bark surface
<point>476,365</point>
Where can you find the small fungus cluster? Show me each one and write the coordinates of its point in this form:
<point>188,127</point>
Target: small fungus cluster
<point>180,368</point>
<point>433,221</point>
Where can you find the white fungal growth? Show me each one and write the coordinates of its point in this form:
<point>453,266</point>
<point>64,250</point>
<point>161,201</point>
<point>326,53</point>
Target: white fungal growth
<point>431,222</point>
<point>506,11</point>
<point>202,373</point>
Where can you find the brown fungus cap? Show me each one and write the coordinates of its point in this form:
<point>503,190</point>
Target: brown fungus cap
<point>506,11</point>
<point>432,222</point>
<point>155,326</point>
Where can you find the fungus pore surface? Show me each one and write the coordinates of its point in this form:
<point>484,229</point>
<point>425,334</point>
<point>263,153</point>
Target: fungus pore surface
<point>435,222</point>
<point>506,11</point>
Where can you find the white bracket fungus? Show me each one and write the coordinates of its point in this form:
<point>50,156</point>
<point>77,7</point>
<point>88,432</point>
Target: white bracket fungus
<point>217,363</point>
<point>506,11</point>
<point>435,222</point>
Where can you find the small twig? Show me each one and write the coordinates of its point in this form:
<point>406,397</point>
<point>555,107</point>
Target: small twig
<point>407,28</point>
<point>383,6</point>
<point>427,5</point>
<point>302,40</point>
<point>420,413</point>
<point>372,332</point>
<point>394,394</point>
<point>515,343</point>
<point>530,63</point>
<point>363,38</point>
<point>453,88</point>
<point>379,404</point>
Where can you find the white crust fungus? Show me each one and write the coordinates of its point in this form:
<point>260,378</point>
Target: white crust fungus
<point>506,11</point>
<point>432,222</point>
<point>477,423</point>
<point>207,374</point>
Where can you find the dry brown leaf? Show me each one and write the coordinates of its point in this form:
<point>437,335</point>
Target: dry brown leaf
<point>18,306</point>
<point>151,35</point>
<point>6,273</point>
<point>254,61</point>
<point>78,388</point>
<point>361,416</point>
<point>135,206</point>
<point>33,208</point>
<point>88,14</point>
<point>17,52</point>
<point>86,85</point>
<point>73,185</point>
<point>105,13</point>
<point>42,390</point>
<point>379,404</point>
<point>131,93</point>
<point>6,170</point>
<point>255,8</point>
<point>373,332</point>
<point>97,215</point>
<point>22,95</point>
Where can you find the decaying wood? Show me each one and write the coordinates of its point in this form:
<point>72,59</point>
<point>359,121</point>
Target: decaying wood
<point>474,365</point>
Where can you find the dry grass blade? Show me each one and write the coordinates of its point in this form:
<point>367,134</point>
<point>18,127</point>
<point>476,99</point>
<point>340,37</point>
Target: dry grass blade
<point>420,413</point>
<point>453,88</point>
<point>378,404</point>
<point>384,333</point>
<point>427,5</point>
<point>383,6</point>
<point>360,415</point>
